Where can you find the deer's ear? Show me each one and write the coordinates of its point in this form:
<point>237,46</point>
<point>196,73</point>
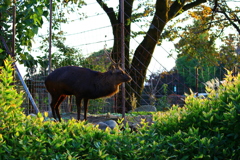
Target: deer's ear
<point>112,67</point>
<point>119,63</point>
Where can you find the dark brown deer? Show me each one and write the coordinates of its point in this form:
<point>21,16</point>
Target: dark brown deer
<point>84,84</point>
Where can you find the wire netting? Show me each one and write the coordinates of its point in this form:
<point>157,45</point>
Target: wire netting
<point>164,86</point>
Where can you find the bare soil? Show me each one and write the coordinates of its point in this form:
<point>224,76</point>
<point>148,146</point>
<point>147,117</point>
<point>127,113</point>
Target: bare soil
<point>91,118</point>
<point>131,119</point>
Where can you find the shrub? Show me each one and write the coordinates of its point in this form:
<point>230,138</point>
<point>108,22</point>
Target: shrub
<point>204,128</point>
<point>26,137</point>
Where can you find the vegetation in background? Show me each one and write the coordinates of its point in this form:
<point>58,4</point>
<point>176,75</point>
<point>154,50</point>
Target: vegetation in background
<point>162,102</point>
<point>187,67</point>
<point>62,55</point>
<point>31,15</point>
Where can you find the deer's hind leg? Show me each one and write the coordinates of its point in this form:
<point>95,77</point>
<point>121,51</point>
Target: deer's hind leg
<point>78,103</point>
<point>56,101</point>
<point>85,108</point>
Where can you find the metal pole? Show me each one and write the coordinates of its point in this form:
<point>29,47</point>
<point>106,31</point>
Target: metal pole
<point>196,81</point>
<point>26,89</point>
<point>50,40</point>
<point>50,49</point>
<point>14,27</point>
<point>20,76</point>
<point>122,54</point>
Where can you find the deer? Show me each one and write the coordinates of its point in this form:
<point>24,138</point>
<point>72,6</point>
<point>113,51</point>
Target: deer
<point>83,83</point>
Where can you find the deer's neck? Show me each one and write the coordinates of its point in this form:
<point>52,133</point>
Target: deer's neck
<point>105,86</point>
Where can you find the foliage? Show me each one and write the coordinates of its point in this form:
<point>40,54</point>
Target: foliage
<point>10,100</point>
<point>204,46</point>
<point>63,55</point>
<point>197,51</point>
<point>229,52</point>
<point>162,102</point>
<point>98,61</point>
<point>199,46</point>
<point>30,17</point>
<point>218,17</point>
<point>224,14</point>
<point>187,69</point>
<point>203,129</point>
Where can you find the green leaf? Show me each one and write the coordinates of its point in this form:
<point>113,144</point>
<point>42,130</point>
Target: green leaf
<point>45,13</point>
<point>35,29</point>
<point>211,119</point>
<point>39,10</point>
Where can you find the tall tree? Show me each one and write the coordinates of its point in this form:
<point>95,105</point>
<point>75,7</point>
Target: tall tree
<point>198,44</point>
<point>163,12</point>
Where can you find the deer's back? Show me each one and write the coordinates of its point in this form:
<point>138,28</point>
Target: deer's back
<point>71,80</point>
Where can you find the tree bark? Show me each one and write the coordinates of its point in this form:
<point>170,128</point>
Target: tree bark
<point>144,51</point>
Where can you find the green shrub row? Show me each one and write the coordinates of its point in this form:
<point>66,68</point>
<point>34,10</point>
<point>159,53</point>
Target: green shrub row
<point>202,129</point>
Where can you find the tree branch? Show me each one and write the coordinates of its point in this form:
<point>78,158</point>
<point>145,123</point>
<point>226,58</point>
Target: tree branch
<point>109,11</point>
<point>230,21</point>
<point>176,7</point>
<point>193,4</point>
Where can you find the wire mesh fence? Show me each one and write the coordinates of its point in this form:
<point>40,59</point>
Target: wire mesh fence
<point>164,84</point>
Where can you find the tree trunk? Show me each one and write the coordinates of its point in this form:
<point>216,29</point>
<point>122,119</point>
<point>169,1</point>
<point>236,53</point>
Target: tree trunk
<point>116,27</point>
<point>144,51</point>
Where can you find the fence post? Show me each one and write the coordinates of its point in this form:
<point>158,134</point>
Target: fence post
<point>122,54</point>
<point>50,50</point>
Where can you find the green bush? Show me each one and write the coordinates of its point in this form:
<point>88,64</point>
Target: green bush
<point>27,137</point>
<point>205,128</point>
<point>202,129</point>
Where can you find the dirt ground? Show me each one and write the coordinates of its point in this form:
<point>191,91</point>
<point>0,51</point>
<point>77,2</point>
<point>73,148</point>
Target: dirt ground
<point>91,118</point>
<point>132,120</point>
